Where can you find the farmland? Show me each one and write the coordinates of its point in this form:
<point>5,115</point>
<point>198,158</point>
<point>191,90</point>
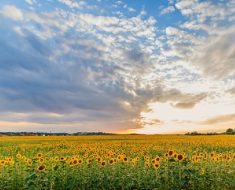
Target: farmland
<point>118,162</point>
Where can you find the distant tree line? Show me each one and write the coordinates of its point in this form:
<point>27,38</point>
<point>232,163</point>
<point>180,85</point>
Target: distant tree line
<point>51,134</point>
<point>229,131</point>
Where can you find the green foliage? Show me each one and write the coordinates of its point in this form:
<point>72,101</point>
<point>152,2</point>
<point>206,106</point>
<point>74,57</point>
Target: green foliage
<point>230,131</point>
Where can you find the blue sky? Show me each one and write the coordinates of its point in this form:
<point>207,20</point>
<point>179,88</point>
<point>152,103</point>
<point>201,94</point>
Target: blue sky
<point>117,66</point>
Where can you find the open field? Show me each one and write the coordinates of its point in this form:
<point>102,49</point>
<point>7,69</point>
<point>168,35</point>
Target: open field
<point>118,162</point>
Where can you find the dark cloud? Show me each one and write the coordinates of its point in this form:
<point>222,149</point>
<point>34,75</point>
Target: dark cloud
<point>184,105</point>
<point>188,101</point>
<point>231,91</point>
<point>137,61</point>
<point>152,122</point>
<point>219,119</point>
<point>27,75</point>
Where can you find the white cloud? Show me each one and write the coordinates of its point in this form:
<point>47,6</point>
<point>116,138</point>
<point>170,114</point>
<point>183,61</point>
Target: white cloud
<point>31,2</point>
<point>131,9</point>
<point>171,31</point>
<point>18,30</point>
<point>73,3</point>
<point>167,10</point>
<point>12,12</point>
<point>202,40</point>
<point>183,4</point>
<point>143,12</point>
<point>206,12</point>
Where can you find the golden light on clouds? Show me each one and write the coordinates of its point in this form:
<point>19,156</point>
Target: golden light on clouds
<point>207,115</point>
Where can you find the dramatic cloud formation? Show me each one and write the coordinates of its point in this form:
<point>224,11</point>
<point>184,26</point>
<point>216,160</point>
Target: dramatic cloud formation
<point>115,66</point>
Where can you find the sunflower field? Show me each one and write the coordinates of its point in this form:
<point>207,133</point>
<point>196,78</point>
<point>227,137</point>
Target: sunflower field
<point>118,162</point>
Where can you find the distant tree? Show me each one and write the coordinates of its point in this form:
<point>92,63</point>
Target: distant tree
<point>195,133</point>
<point>230,131</point>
